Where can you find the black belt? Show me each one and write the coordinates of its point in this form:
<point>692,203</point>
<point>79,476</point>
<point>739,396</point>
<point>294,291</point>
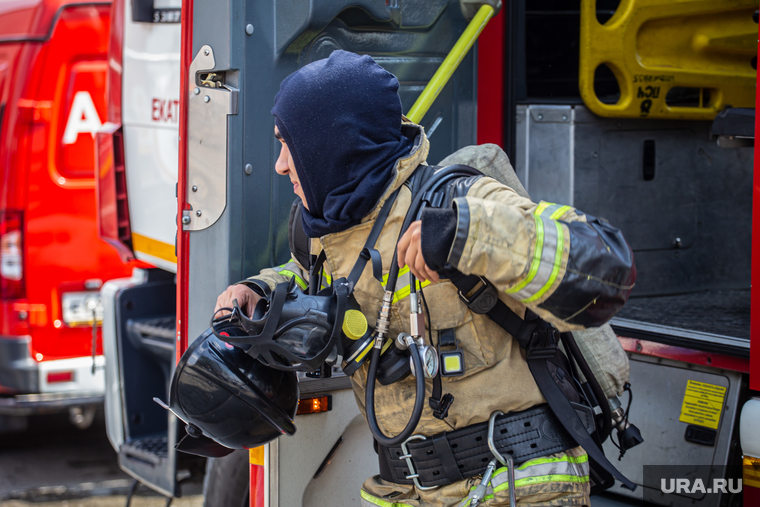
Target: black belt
<point>449,457</point>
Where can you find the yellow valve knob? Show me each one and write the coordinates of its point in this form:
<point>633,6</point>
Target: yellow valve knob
<point>354,324</point>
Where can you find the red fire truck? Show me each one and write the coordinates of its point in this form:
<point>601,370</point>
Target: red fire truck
<point>635,111</point>
<point>52,263</point>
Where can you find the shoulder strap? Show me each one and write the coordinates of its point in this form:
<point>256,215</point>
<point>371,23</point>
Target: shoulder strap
<point>369,252</point>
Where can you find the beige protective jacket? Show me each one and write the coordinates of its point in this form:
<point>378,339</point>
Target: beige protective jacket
<point>523,249</point>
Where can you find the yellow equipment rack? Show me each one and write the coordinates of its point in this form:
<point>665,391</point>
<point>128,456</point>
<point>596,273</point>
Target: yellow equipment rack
<point>655,47</point>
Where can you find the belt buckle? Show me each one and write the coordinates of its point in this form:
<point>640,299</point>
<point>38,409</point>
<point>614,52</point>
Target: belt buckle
<point>413,475</point>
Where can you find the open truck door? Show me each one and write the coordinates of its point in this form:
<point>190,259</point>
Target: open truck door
<point>234,208</point>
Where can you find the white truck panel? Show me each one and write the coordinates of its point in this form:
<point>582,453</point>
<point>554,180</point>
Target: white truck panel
<point>150,117</point>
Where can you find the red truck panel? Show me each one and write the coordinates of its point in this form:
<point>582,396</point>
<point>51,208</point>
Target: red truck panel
<point>53,106</point>
<point>754,351</point>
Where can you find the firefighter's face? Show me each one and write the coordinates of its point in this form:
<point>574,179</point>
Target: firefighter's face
<point>285,167</point>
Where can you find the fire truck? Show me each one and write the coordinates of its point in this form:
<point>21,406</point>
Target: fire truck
<point>52,263</point>
<point>640,111</point>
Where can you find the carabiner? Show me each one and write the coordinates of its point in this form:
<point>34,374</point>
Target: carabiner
<point>508,462</point>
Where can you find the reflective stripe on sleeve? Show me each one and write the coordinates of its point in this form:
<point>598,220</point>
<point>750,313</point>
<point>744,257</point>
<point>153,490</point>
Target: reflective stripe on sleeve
<point>555,265</point>
<point>557,469</point>
<point>550,239</point>
<point>551,210</point>
<point>291,269</point>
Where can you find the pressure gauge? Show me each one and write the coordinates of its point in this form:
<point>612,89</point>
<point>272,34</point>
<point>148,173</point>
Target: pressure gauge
<point>429,358</point>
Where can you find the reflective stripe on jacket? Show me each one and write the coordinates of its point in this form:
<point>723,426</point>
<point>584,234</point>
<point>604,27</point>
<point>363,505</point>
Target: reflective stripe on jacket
<point>559,479</point>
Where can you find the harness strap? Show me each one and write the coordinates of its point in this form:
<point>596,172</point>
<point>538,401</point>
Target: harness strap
<point>369,252</point>
<point>315,272</point>
<point>439,402</point>
<point>567,416</point>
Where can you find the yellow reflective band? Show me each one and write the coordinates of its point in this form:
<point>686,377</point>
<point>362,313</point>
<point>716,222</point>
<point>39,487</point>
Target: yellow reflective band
<point>536,257</point>
<point>327,278</point>
<point>555,269</point>
<point>369,346</point>
<point>405,291</point>
<point>560,212</point>
<point>401,272</point>
<point>298,279</point>
<point>541,207</point>
<point>153,247</point>
<point>378,501</point>
<point>542,479</point>
<point>544,461</point>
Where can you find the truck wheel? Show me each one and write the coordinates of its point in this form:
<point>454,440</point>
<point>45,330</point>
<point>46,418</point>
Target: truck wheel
<point>227,481</point>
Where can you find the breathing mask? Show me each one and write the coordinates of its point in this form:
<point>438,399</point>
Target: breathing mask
<point>291,330</point>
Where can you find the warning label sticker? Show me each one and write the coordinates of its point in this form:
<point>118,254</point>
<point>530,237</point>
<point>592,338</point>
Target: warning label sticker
<point>702,404</point>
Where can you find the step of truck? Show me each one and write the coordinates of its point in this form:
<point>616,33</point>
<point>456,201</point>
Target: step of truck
<point>149,450</point>
<point>155,336</point>
<point>157,328</point>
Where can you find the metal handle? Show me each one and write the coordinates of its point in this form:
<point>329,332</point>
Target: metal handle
<point>450,64</point>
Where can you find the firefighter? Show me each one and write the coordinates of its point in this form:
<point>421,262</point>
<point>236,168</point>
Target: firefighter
<point>346,148</point>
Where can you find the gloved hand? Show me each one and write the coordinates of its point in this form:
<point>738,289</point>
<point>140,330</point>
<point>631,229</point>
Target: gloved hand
<point>245,296</point>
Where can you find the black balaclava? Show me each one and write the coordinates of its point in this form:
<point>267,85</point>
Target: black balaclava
<point>341,120</point>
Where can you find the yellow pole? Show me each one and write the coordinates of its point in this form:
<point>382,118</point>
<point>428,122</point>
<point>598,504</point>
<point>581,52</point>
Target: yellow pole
<point>450,64</point>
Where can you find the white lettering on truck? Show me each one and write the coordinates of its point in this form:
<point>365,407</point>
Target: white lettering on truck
<point>82,118</point>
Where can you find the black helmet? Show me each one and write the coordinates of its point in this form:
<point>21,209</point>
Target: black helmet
<point>291,330</point>
<point>229,397</point>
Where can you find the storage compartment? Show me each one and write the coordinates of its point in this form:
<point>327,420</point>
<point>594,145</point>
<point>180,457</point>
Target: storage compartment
<point>684,205</point>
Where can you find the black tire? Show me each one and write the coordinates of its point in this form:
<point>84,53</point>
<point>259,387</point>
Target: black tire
<point>227,481</point>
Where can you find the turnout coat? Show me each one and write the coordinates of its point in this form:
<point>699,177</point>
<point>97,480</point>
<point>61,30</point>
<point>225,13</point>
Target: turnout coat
<point>549,258</point>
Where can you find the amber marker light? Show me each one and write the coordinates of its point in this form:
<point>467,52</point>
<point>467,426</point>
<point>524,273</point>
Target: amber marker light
<point>314,405</point>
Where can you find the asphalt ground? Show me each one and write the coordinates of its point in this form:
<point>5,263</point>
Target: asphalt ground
<point>54,464</point>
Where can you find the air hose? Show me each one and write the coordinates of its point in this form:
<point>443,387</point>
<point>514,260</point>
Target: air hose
<point>440,178</point>
<point>419,400</point>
